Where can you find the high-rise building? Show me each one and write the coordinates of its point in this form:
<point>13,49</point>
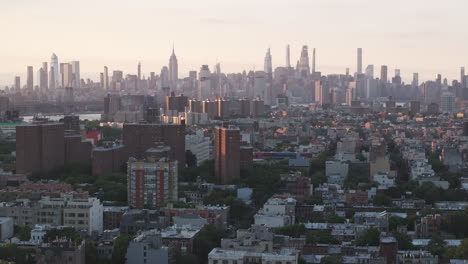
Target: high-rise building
<point>303,64</point>
<point>204,83</point>
<point>51,78</point>
<point>415,82</point>
<point>56,77</point>
<point>39,147</point>
<point>151,182</point>
<point>164,77</point>
<point>359,60</point>
<point>370,71</point>
<point>260,88</point>
<point>268,63</point>
<point>17,84</point>
<point>462,77</point>
<point>105,85</point>
<point>384,74</point>
<point>447,103</point>
<point>66,75</point>
<point>30,78</point>
<point>288,57</point>
<point>139,71</point>
<point>139,137</point>
<point>173,68</point>
<point>313,61</point>
<point>227,153</point>
<point>176,103</point>
<point>76,76</point>
<point>45,68</point>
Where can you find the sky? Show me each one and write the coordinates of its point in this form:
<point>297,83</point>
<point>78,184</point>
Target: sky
<point>425,36</point>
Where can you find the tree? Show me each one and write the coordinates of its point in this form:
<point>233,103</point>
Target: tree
<point>14,254</point>
<point>462,250</point>
<point>190,159</point>
<point>404,241</point>
<point>24,233</point>
<point>67,232</point>
<point>395,221</point>
<point>91,253</point>
<point>209,238</point>
<point>370,238</point>
<point>330,260</point>
<point>335,219</point>
<point>120,248</point>
<point>186,259</point>
<point>436,246</point>
<point>295,230</point>
<point>382,200</point>
<point>320,237</point>
<point>455,223</point>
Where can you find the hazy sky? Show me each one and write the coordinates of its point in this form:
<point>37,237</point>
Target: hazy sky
<point>428,36</point>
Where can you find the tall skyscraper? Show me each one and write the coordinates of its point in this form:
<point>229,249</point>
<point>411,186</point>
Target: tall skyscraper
<point>397,72</point>
<point>227,154</point>
<point>462,77</point>
<point>415,82</point>
<point>105,85</point>
<point>17,84</point>
<point>173,68</point>
<point>384,74</point>
<point>268,67</point>
<point>55,64</point>
<point>66,75</point>
<point>30,78</point>
<point>45,68</point>
<point>139,71</point>
<point>370,71</point>
<point>288,57</point>
<point>76,76</point>
<point>359,60</point>
<point>52,78</point>
<point>204,83</point>
<point>303,64</point>
<point>313,61</point>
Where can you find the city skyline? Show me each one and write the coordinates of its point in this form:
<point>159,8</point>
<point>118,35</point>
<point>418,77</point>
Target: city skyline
<point>421,36</point>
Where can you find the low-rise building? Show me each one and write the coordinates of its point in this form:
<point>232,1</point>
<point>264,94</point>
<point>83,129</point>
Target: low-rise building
<point>148,248</point>
<point>220,256</point>
<point>6,228</point>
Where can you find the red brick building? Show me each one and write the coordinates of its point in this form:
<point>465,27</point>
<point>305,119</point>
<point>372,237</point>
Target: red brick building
<point>39,147</point>
<point>139,137</point>
<point>176,102</point>
<point>227,154</point>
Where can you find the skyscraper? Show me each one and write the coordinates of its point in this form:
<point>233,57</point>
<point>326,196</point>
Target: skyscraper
<point>384,74</point>
<point>139,71</point>
<point>313,61</point>
<point>173,68</point>
<point>52,78</point>
<point>76,76</point>
<point>204,83</point>
<point>227,154</point>
<point>30,78</point>
<point>267,63</point>
<point>415,82</point>
<point>359,60</point>
<point>66,75</point>
<point>370,71</point>
<point>105,85</point>
<point>54,63</point>
<point>462,77</point>
<point>288,58</point>
<point>17,84</point>
<point>45,68</point>
<point>303,64</point>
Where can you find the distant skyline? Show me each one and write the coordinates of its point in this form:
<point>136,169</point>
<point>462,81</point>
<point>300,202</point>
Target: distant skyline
<point>425,36</point>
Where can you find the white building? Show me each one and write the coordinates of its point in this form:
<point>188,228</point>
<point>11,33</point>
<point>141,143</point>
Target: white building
<point>199,145</point>
<point>421,169</point>
<point>384,180</point>
<point>147,248</point>
<point>278,211</point>
<point>336,171</point>
<point>6,228</point>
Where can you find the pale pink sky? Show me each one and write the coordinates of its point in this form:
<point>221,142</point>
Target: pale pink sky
<point>428,36</point>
